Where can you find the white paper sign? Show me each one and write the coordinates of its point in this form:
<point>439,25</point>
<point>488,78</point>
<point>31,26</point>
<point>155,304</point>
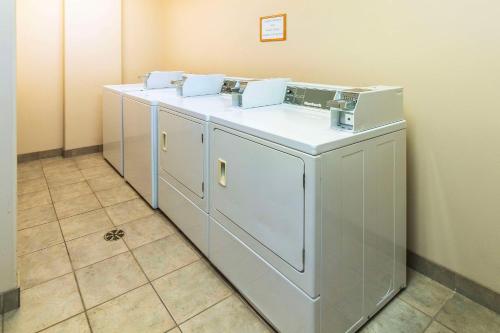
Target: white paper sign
<point>273,28</point>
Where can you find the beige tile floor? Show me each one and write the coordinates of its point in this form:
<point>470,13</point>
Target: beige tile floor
<point>154,280</point>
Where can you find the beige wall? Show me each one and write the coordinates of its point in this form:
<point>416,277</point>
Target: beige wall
<point>39,75</point>
<point>447,56</point>
<point>143,31</point>
<point>8,276</point>
<point>93,52</point>
<point>92,58</point>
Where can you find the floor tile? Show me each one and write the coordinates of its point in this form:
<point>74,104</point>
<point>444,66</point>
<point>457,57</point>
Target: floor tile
<point>397,317</point>
<point>71,207</point>
<point>425,294</point>
<point>35,199</point>
<point>29,174</point>
<point>436,327</point>
<point>190,290</point>
<point>56,161</point>
<point>97,155</point>
<point>146,230</point>
<point>175,330</point>
<point>116,195</point>
<point>54,171</point>
<point>109,278</point>
<point>37,238</point>
<point>66,192</point>
<point>465,316</point>
<point>128,211</point>
<point>85,224</point>
<point>30,186</point>
<point>106,182</point>
<point>92,248</point>
<point>88,163</point>
<point>100,171</point>
<point>139,310</point>
<point>45,305</point>
<point>64,178</point>
<point>44,265</point>
<point>32,217</point>
<point>31,165</point>
<point>77,324</point>
<point>230,315</point>
<point>164,256</point>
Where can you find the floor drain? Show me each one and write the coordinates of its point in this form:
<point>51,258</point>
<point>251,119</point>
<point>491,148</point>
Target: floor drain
<point>114,235</point>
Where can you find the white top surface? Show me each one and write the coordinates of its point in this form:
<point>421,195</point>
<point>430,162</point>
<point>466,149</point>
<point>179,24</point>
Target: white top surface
<point>150,97</point>
<point>124,88</point>
<point>304,129</point>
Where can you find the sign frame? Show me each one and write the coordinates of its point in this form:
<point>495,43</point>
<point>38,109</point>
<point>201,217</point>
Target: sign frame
<point>278,39</point>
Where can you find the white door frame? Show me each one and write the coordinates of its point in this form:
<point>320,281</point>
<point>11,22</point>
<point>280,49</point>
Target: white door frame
<point>8,160</point>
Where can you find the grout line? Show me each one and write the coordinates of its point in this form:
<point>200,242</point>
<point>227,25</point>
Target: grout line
<point>147,278</point>
<point>433,318</point>
<point>71,264</point>
<point>38,225</point>
<point>77,284</point>
<point>67,217</point>
<point>254,311</point>
<point>69,258</point>
<point>39,250</point>
<point>62,321</point>
<point>206,309</point>
<point>177,232</point>
<point>115,297</point>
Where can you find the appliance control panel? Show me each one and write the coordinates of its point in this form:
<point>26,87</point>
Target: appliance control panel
<point>310,97</point>
<point>229,85</point>
<point>361,109</point>
<point>351,109</point>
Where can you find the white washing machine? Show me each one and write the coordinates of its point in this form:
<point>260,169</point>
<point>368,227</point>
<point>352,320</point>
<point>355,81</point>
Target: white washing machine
<point>140,125</point>
<point>299,213</point>
<point>183,193</point>
<point>140,110</point>
<point>183,162</point>
<point>112,122</point>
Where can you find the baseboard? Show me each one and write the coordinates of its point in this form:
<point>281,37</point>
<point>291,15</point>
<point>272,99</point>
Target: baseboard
<point>39,155</point>
<point>82,151</point>
<point>10,300</point>
<point>455,281</point>
<point>58,152</point>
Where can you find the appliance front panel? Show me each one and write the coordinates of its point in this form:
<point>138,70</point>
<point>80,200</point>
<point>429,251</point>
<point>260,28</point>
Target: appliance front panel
<point>138,157</point>
<point>112,123</point>
<point>261,190</point>
<point>181,150</point>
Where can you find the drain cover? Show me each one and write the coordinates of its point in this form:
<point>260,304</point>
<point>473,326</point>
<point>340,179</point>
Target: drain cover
<point>114,235</point>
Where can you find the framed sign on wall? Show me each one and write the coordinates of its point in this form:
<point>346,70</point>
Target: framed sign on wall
<point>273,28</point>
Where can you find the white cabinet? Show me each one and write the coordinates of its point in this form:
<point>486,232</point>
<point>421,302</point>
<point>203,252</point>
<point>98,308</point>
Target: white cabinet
<point>261,190</point>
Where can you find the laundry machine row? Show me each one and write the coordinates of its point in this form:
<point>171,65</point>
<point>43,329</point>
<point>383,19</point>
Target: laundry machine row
<point>301,205</point>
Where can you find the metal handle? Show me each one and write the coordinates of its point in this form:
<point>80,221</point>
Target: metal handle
<point>222,173</point>
<point>164,141</point>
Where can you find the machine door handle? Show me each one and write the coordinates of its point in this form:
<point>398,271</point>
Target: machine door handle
<point>164,141</point>
<point>222,172</point>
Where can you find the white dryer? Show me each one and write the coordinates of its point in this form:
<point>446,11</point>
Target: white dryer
<point>308,215</point>
<point>112,122</point>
